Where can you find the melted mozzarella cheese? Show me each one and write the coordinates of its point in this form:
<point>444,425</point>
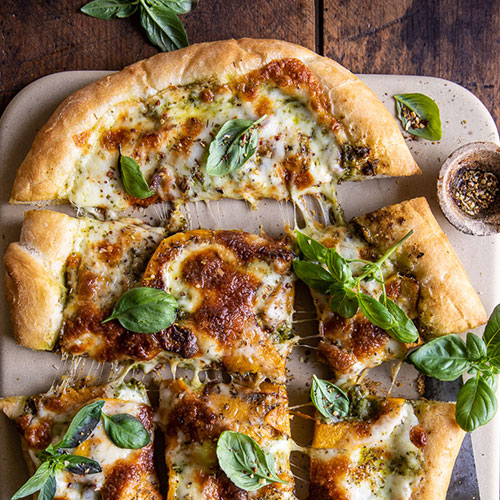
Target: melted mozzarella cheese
<point>391,464</point>
<point>291,130</point>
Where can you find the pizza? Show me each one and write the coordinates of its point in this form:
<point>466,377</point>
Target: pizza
<point>424,277</point>
<point>64,276</point>
<point>234,292</point>
<point>120,474</point>
<point>385,448</point>
<point>240,119</point>
<point>193,420</point>
<point>320,125</point>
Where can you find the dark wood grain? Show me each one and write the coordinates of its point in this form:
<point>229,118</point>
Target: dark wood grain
<point>42,37</point>
<point>454,39</point>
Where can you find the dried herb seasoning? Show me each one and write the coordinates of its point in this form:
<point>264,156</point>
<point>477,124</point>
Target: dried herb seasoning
<point>475,190</point>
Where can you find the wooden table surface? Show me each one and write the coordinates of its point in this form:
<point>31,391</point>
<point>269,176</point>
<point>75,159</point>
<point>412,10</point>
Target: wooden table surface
<point>454,39</point>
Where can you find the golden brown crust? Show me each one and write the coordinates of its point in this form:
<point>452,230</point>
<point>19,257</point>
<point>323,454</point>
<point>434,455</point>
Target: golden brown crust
<point>34,282</point>
<point>444,439</point>
<point>46,171</point>
<point>448,303</point>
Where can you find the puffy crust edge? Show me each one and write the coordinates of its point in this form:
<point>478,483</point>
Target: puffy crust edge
<point>444,439</point>
<point>34,281</point>
<point>46,171</point>
<point>448,303</point>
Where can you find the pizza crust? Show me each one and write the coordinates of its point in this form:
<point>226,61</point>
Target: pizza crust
<point>34,282</point>
<point>46,173</point>
<point>444,439</point>
<point>448,303</point>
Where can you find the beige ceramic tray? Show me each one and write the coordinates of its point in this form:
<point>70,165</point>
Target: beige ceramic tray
<point>464,120</point>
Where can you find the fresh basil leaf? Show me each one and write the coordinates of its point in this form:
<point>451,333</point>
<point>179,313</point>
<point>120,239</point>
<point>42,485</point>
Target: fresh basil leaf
<point>311,249</point>
<point>126,431</point>
<point>491,335</point>
<point>344,302</point>
<point>476,404</point>
<point>494,358</point>
<point>313,275</point>
<point>35,482</point>
<point>80,465</point>
<point>331,401</point>
<point>444,358</point>
<point>425,121</point>
<point>132,178</point>
<point>476,348</point>
<point>244,462</point>
<point>107,9</point>
<point>403,329</point>
<point>163,26</point>
<point>82,425</point>
<point>145,310</point>
<point>48,490</point>
<point>233,146</point>
<point>375,312</point>
<point>338,267</point>
<point>491,379</point>
<point>178,6</point>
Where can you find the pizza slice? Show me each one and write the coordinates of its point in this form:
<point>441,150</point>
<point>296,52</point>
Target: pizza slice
<point>87,443</point>
<point>244,119</point>
<point>385,449</point>
<point>235,293</point>
<point>194,420</point>
<point>64,276</point>
<point>423,276</point>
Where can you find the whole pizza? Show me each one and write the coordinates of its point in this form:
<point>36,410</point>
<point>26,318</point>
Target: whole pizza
<point>247,120</point>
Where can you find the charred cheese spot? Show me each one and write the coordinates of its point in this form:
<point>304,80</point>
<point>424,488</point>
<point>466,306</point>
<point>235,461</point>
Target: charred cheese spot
<point>234,293</point>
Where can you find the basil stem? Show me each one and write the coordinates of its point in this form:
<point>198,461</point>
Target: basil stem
<point>145,310</point>
<point>244,462</point>
<point>419,115</point>
<point>331,401</point>
<point>235,143</point>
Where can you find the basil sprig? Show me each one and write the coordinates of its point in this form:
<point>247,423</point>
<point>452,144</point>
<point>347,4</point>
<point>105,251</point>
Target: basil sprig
<point>145,310</point>
<point>133,179</point>
<point>449,357</point>
<point>235,143</point>
<point>330,274</point>
<point>125,431</point>
<point>419,115</point>
<point>244,462</point>
<point>158,17</point>
<point>331,401</point>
